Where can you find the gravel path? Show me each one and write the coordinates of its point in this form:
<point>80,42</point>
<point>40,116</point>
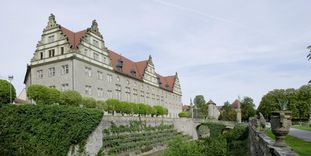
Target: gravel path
<point>302,134</point>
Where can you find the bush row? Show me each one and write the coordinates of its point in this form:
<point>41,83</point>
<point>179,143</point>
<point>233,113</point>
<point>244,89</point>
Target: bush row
<point>44,129</point>
<point>44,95</point>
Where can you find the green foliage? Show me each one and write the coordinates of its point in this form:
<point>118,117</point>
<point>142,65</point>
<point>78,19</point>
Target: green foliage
<point>5,92</point>
<point>43,95</point>
<point>136,135</point>
<point>181,147</point>
<point>215,146</point>
<point>228,114</point>
<point>159,110</point>
<point>44,130</point>
<point>183,114</point>
<point>71,98</point>
<point>297,100</point>
<point>89,102</point>
<point>38,93</point>
<point>215,129</point>
<point>102,105</point>
<point>201,105</point>
<point>237,139</point>
<point>52,96</point>
<point>247,108</point>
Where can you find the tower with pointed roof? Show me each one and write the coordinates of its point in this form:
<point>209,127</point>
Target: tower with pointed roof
<point>80,61</point>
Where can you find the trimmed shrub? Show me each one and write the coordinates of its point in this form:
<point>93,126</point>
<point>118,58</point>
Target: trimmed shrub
<point>5,91</point>
<point>159,110</point>
<point>102,105</point>
<point>52,96</point>
<point>44,129</point>
<point>183,114</point>
<point>88,102</point>
<point>70,97</point>
<point>111,104</point>
<point>38,93</point>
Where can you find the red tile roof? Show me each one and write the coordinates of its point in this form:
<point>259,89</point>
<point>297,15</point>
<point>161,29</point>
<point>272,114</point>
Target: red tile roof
<point>130,68</point>
<point>74,38</point>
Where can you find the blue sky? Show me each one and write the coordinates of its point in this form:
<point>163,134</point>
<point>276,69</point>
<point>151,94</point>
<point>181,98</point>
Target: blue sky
<point>220,49</point>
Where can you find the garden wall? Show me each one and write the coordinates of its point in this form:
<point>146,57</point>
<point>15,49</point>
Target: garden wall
<point>262,145</point>
<point>95,140</point>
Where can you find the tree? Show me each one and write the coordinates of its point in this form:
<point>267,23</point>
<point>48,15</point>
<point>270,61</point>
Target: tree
<point>227,114</point>
<point>88,102</point>
<point>52,96</point>
<point>5,92</point>
<point>247,108</point>
<point>111,105</point>
<point>71,98</point>
<point>102,105</point>
<point>304,102</point>
<point>38,93</point>
<point>200,103</point>
<point>183,114</point>
<point>159,110</point>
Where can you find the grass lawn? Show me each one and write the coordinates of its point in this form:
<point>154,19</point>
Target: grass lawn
<point>307,128</point>
<point>298,145</point>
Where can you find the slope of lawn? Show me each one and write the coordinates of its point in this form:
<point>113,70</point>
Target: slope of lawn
<point>300,146</point>
<point>44,130</point>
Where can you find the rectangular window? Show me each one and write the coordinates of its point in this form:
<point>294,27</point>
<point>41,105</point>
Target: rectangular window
<point>109,93</point>
<point>95,43</point>
<point>41,55</point>
<point>52,71</point>
<point>100,92</point>
<point>99,75</point>
<point>109,78</point>
<point>65,69</point>
<point>61,50</point>
<point>96,56</point>
<point>88,90</point>
<point>40,74</point>
<point>51,38</point>
<point>118,91</point>
<point>88,71</point>
<point>52,53</point>
<point>64,87</point>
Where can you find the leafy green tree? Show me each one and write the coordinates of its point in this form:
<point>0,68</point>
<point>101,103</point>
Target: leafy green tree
<point>271,102</point>
<point>159,110</point>
<point>102,105</point>
<point>142,109</point>
<point>52,96</point>
<point>89,102</point>
<point>70,97</point>
<point>227,114</point>
<point>304,102</point>
<point>247,108</point>
<point>111,103</point>
<point>200,103</point>
<point>38,93</point>
<point>183,114</point>
<point>5,92</point>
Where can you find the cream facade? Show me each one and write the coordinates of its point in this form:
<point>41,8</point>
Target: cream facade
<point>80,61</point>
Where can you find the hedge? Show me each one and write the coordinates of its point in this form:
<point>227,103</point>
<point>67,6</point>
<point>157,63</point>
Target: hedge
<point>44,130</point>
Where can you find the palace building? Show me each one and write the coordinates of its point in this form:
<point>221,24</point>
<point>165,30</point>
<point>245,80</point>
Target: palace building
<point>80,61</point>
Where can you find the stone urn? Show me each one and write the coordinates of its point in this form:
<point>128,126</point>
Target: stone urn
<point>280,124</point>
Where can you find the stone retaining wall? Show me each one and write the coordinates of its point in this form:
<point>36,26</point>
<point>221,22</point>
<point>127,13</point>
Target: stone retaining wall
<point>262,145</point>
<point>95,140</point>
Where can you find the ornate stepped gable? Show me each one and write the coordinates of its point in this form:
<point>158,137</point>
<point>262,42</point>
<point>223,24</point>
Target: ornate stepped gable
<point>142,70</point>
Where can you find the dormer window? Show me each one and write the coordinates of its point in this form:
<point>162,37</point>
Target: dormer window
<point>133,72</point>
<point>119,64</point>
